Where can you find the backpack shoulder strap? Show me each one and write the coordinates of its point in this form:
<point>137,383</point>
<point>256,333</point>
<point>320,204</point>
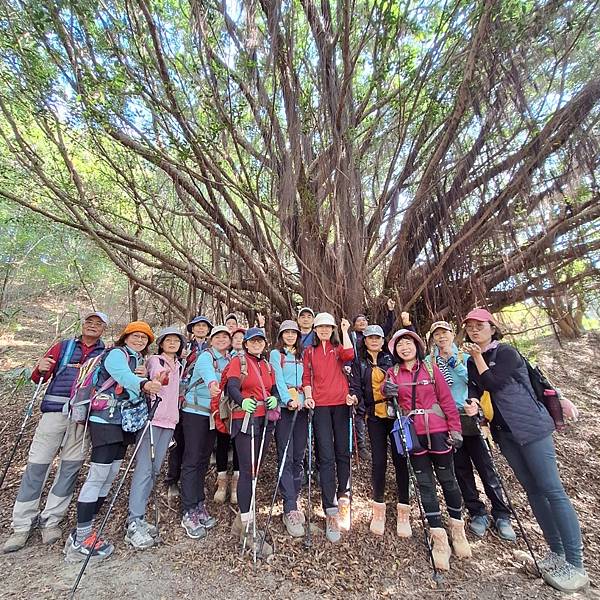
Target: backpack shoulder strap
<point>67,348</point>
<point>243,366</point>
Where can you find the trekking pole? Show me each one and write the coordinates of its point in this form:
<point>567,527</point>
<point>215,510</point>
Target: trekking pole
<point>308,536</point>
<point>253,466</point>
<point>437,577</point>
<point>153,465</point>
<point>28,413</point>
<point>350,447</point>
<point>279,474</point>
<point>115,494</point>
<point>513,510</point>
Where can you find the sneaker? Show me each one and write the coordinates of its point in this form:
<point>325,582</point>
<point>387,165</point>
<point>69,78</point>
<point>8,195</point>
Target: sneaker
<point>51,535</point>
<point>192,526</point>
<point>505,530</point>
<point>479,525</point>
<point>566,578</point>
<point>137,535</point>
<point>150,528</point>
<point>332,527</point>
<point>203,517</point>
<point>292,523</point>
<point>78,552</point>
<point>16,541</point>
<point>550,561</point>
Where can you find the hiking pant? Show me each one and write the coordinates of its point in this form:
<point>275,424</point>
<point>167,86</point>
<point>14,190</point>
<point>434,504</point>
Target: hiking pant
<point>141,483</point>
<point>474,452</point>
<point>535,466</point>
<point>224,442</point>
<point>199,442</point>
<point>53,428</point>
<point>243,444</point>
<point>443,465</point>
<point>379,434</point>
<point>332,435</point>
<point>176,454</point>
<point>290,485</point>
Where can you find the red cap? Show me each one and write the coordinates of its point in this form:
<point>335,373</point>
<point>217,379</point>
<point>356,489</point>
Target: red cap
<point>480,314</point>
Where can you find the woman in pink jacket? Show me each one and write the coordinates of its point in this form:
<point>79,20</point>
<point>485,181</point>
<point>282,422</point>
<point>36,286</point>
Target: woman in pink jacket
<point>165,364</point>
<point>424,395</point>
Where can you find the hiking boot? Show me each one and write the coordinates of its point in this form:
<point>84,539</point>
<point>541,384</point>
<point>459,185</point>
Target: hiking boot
<point>460,544</point>
<point>77,552</point>
<point>550,561</point>
<point>221,491</point>
<point>16,541</point>
<point>504,530</point>
<point>233,487</point>
<point>332,526</point>
<point>193,527</point>
<point>293,524</point>
<point>440,548</point>
<point>566,578</point>
<point>344,513</point>
<point>403,529</point>
<point>236,526</point>
<point>203,517</point>
<point>150,528</point>
<point>377,525</point>
<point>137,535</point>
<point>252,542</point>
<point>479,525</point>
<point>51,535</point>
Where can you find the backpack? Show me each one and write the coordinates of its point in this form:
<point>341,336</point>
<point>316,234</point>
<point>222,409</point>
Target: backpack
<point>545,393</point>
<point>84,390</point>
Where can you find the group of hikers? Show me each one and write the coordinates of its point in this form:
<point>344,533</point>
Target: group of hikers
<point>322,383</point>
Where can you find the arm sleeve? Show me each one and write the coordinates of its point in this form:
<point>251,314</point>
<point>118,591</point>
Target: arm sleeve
<point>355,380</point>
<point>280,384</point>
<point>117,366</point>
<point>474,390</point>
<point>205,369</point>
<point>388,324</point>
<point>307,371</point>
<point>234,390</point>
<point>346,354</point>
<point>496,377</point>
<point>446,401</point>
<point>460,372</point>
<point>153,367</point>
<point>54,353</point>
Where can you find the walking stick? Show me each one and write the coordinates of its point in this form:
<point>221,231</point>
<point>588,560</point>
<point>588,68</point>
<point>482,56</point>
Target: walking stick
<point>350,446</point>
<point>116,493</point>
<point>153,466</point>
<point>308,536</point>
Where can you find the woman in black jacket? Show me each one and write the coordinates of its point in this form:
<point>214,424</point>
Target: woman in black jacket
<point>523,428</point>
<point>368,374</point>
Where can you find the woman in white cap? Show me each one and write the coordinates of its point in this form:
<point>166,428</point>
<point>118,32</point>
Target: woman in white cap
<point>166,365</point>
<point>286,360</point>
<point>326,391</point>
<point>473,453</point>
<point>423,394</point>
<point>197,432</point>
<point>368,374</point>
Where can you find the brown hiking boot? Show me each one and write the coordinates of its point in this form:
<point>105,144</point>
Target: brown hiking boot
<point>440,548</point>
<point>16,541</point>
<point>403,529</point>
<point>50,535</point>
<point>378,519</point>
<point>460,544</point>
<point>221,491</point>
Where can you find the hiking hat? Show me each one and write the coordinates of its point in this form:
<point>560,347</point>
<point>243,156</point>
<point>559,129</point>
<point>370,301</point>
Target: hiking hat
<point>306,309</point>
<point>219,329</point>
<point>254,332</point>
<point>102,316</point>
<point>324,318</point>
<point>441,325</point>
<point>199,319</point>
<point>482,315</point>
<point>288,325</point>
<point>405,333</point>
<point>373,330</point>
<point>163,333</point>
<point>138,327</point>
<point>231,316</point>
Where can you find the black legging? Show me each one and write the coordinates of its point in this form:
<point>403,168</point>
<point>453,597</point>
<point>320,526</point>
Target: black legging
<point>379,434</point>
<point>224,442</point>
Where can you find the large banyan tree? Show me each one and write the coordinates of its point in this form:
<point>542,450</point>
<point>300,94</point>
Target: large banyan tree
<point>262,153</point>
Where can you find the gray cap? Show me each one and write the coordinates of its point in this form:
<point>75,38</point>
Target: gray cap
<point>306,309</point>
<point>373,330</point>
<point>163,333</point>
<point>288,325</point>
<point>219,329</point>
<point>102,316</point>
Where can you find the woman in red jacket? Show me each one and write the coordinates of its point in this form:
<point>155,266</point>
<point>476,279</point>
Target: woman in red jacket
<point>426,397</point>
<point>326,391</point>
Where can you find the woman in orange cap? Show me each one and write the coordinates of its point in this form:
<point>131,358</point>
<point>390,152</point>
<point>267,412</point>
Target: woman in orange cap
<point>117,387</point>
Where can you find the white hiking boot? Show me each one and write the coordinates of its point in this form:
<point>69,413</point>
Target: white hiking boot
<point>138,536</point>
<point>293,523</point>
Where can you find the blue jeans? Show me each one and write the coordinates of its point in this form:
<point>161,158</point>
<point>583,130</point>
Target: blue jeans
<point>535,466</point>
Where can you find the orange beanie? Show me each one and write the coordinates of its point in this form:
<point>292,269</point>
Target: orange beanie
<point>139,327</point>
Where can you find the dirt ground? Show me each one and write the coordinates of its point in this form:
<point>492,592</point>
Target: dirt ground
<point>361,566</point>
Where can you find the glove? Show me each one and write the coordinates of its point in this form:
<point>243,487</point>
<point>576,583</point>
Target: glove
<point>271,402</point>
<point>249,405</point>
<point>390,389</point>
<point>455,439</point>
<point>452,362</point>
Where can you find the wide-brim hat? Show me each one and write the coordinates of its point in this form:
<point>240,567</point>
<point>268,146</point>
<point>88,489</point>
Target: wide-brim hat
<point>199,319</point>
<point>405,333</point>
<point>163,333</point>
<point>288,325</point>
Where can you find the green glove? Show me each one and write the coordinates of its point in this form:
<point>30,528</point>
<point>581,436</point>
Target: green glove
<point>249,405</point>
<point>271,402</point>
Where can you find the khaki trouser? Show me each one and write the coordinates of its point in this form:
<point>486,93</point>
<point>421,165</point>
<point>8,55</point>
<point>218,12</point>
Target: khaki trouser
<point>53,430</point>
